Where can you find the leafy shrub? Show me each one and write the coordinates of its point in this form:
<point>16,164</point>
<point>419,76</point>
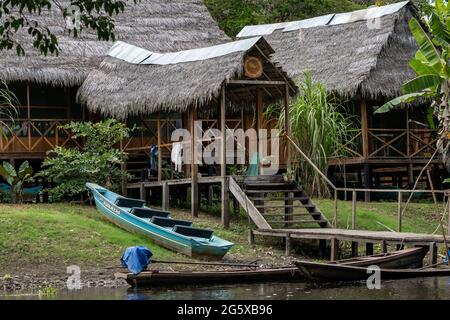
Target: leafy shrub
<point>16,178</point>
<point>97,162</point>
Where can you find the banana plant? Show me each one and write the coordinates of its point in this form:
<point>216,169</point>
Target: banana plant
<point>16,179</point>
<point>431,64</point>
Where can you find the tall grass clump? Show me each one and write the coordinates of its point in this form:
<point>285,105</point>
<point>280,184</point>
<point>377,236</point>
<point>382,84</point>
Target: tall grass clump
<point>8,105</point>
<point>317,127</point>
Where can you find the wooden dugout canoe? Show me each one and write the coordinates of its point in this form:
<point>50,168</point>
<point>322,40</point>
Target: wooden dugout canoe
<point>177,235</point>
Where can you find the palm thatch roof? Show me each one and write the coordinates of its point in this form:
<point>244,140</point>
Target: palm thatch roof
<point>158,25</point>
<point>120,89</point>
<point>365,52</point>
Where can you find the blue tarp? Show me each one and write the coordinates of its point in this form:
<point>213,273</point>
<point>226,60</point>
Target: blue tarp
<point>136,259</point>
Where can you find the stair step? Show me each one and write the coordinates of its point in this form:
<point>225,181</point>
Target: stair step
<point>309,206</point>
<point>279,198</point>
<point>272,191</point>
<point>282,215</point>
<point>295,221</point>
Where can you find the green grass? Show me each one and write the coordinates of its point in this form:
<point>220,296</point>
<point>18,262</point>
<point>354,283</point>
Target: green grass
<point>63,234</point>
<point>58,235</point>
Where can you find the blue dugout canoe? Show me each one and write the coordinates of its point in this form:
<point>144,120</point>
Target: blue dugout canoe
<point>177,235</point>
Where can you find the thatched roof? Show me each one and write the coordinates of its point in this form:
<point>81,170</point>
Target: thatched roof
<point>350,53</point>
<point>159,25</point>
<point>119,88</point>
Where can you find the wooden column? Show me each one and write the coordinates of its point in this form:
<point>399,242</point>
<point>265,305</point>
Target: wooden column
<point>225,204</point>
<point>223,154</point>
<point>158,133</point>
<point>29,116</point>
<point>353,210</point>
<point>288,244</point>
<point>322,247</point>
<point>251,237</point>
<point>364,128</point>
<point>287,126</point>
<point>123,170</point>
<point>259,124</point>
<point>433,253</point>
<point>142,192</point>
<point>223,166</point>
<point>366,182</point>
<point>165,196</point>
<point>365,146</point>
<point>369,249</point>
<point>194,167</point>
<point>354,249</point>
<point>384,247</point>
<point>399,212</point>
<point>448,212</point>
<point>334,249</point>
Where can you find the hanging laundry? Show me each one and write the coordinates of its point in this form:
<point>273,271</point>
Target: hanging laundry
<point>154,158</point>
<point>177,156</point>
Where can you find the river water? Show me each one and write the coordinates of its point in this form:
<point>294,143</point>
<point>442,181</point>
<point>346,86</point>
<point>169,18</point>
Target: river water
<point>423,288</point>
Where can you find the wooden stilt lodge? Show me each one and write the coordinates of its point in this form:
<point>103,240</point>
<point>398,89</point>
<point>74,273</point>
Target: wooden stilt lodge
<point>224,87</point>
<point>47,86</point>
<point>363,57</point>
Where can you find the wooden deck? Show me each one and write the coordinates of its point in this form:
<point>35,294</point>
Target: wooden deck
<point>356,237</point>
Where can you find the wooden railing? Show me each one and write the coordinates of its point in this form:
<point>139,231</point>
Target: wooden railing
<point>34,135</point>
<point>399,192</point>
<point>390,144</point>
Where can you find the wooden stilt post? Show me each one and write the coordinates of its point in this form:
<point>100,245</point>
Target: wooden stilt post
<point>369,249</point>
<point>259,125</point>
<point>334,249</point>
<point>165,196</point>
<point>353,210</point>
<point>384,248</point>
<point>355,248</point>
<point>322,247</point>
<point>288,209</point>
<point>336,208</point>
<point>448,213</point>
<point>251,237</point>
<point>225,204</point>
<point>158,128</point>
<point>210,195</point>
<point>223,166</point>
<point>288,244</point>
<point>123,170</point>
<point>433,253</point>
<point>399,212</point>
<point>430,181</point>
<point>365,145</point>
<point>194,167</point>
<point>142,192</point>
<point>287,125</point>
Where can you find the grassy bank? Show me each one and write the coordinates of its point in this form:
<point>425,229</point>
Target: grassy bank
<point>418,217</point>
<point>52,237</point>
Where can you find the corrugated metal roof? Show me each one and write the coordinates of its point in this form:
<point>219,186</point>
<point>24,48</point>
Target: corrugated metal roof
<point>367,14</point>
<point>330,19</point>
<point>136,55</point>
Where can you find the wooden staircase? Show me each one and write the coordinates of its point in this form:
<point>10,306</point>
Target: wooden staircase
<point>279,204</point>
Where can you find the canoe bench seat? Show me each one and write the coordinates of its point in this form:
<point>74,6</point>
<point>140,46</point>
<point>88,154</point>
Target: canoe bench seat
<point>167,222</point>
<point>129,203</point>
<point>194,232</point>
<point>147,213</point>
